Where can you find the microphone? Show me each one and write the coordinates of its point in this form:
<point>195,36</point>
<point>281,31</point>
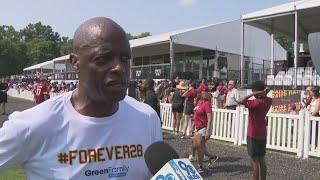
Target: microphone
<point>164,163</point>
<point>314,46</point>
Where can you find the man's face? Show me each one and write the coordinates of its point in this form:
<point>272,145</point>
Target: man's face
<point>104,67</point>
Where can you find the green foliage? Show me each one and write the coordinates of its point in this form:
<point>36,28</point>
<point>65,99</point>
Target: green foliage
<point>33,44</point>
<point>66,46</point>
<point>14,174</point>
<point>144,34</point>
<point>40,50</point>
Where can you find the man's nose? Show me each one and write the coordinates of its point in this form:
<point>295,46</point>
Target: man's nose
<point>118,66</point>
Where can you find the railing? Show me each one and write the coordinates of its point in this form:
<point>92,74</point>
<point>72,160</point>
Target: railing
<point>224,125</point>
<point>311,138</point>
<point>285,132</point>
<point>24,94</point>
<point>166,116</point>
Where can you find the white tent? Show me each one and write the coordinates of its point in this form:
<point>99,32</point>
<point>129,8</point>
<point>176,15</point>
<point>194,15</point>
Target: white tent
<point>38,66</point>
<point>282,17</point>
<point>296,20</point>
<point>224,37</point>
<point>57,63</point>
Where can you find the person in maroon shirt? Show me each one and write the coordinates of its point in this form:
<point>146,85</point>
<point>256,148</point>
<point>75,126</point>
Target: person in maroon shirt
<point>189,95</point>
<point>203,87</point>
<point>203,129</point>
<point>257,128</point>
<point>41,92</point>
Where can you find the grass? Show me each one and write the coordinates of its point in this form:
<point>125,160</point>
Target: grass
<point>13,174</point>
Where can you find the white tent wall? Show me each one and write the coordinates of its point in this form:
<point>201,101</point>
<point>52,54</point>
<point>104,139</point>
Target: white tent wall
<point>226,37</point>
<point>163,48</point>
<point>307,9</point>
<point>233,61</point>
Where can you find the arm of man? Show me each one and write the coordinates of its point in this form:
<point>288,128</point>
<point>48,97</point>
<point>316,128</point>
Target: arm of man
<point>185,94</point>
<point>14,137</point>
<point>244,100</point>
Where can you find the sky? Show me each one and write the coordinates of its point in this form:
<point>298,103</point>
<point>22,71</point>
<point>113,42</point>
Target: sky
<point>135,16</point>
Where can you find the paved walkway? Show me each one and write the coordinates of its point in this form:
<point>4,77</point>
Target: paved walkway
<point>233,162</point>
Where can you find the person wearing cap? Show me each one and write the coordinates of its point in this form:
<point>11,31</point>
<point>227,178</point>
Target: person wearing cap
<point>232,96</point>
<point>177,106</point>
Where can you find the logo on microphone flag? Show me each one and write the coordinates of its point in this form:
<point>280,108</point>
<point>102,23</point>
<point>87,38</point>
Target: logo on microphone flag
<point>177,169</point>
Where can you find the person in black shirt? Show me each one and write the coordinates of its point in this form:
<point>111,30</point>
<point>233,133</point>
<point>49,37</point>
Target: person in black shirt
<point>177,106</point>
<point>150,95</point>
<point>3,95</point>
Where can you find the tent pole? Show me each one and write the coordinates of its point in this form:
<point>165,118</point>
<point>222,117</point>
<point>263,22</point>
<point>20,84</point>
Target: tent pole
<point>131,59</point>
<point>54,70</point>
<point>65,72</point>
<point>272,48</point>
<point>242,54</point>
<point>171,57</point>
<point>201,64</point>
<point>295,47</point>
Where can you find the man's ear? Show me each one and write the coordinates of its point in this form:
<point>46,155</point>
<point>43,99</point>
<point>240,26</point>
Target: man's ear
<point>74,61</point>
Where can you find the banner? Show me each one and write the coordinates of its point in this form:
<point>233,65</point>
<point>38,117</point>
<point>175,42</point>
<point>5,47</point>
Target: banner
<point>138,73</point>
<point>281,99</point>
<point>157,72</point>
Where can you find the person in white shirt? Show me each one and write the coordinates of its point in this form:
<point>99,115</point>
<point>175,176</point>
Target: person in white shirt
<point>232,97</point>
<point>94,132</point>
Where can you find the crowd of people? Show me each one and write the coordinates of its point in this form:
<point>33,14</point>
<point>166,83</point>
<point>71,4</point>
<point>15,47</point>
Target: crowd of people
<point>192,103</point>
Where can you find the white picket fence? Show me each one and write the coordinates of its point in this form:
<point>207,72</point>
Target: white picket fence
<point>25,94</point>
<point>285,132</point>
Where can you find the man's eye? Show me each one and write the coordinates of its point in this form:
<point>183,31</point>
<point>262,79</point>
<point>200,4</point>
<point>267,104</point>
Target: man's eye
<point>125,58</point>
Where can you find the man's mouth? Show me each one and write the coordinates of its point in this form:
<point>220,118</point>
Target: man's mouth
<point>115,84</point>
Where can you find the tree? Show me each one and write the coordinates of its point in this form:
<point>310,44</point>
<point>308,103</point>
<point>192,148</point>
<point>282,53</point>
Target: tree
<point>9,33</point>
<point>40,50</point>
<point>144,34</point>
<point>42,42</point>
<point>12,57</point>
<point>66,46</point>
<point>34,44</point>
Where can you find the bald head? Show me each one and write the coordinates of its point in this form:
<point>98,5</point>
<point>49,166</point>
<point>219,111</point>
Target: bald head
<point>94,31</point>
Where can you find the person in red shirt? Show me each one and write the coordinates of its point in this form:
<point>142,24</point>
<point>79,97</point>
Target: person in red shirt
<point>203,86</point>
<point>41,92</point>
<point>189,95</point>
<point>257,128</point>
<point>203,129</point>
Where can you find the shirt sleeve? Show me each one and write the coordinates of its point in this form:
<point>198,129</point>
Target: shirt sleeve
<point>156,132</point>
<point>251,104</point>
<point>13,138</point>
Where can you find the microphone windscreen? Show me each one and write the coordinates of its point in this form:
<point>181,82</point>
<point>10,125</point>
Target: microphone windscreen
<point>158,154</point>
<point>314,46</point>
